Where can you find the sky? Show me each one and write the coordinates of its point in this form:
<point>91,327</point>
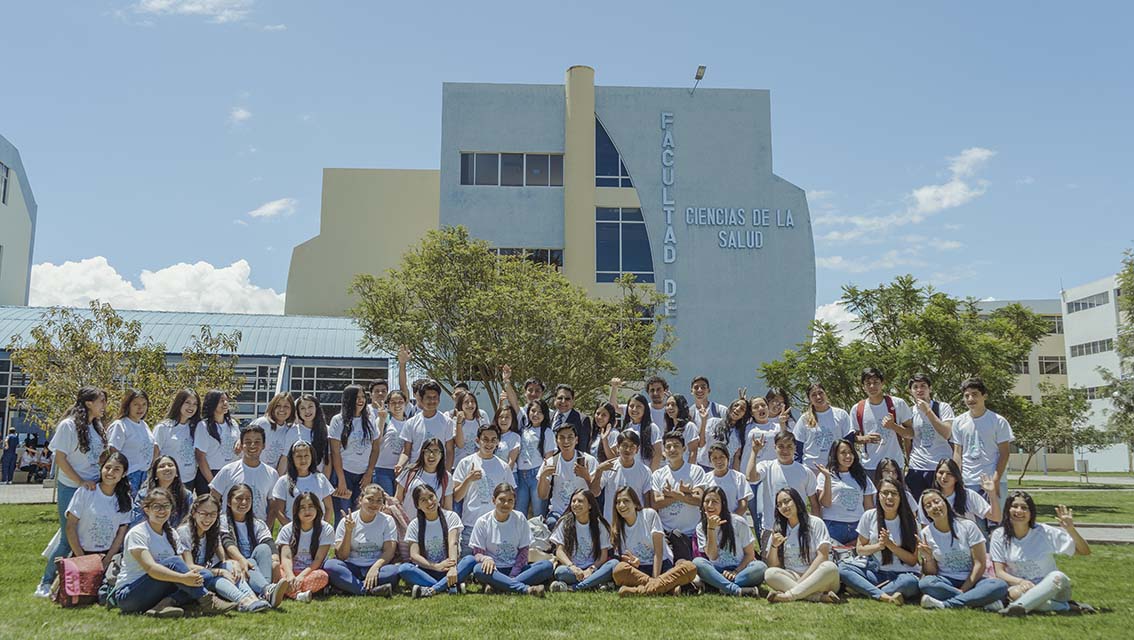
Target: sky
<point>175,147</point>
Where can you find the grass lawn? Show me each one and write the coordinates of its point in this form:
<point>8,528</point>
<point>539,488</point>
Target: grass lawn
<point>1102,579</point>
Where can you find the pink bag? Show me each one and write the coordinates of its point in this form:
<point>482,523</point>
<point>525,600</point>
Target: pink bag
<point>393,508</point>
<point>78,581</point>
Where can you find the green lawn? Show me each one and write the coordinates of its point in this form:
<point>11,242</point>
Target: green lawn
<point>1103,579</point>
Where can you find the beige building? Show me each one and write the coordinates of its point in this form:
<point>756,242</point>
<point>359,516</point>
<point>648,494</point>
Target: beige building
<point>17,227</point>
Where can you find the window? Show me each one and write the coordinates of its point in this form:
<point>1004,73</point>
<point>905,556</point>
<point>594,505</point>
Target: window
<point>1053,365</point>
<point>1090,348</point>
<point>1098,393</point>
<point>610,171</point>
<point>1056,323</point>
<point>3,183</point>
<point>553,257</point>
<point>327,383</point>
<point>1021,367</point>
<point>622,245</point>
<point>1090,302</point>
<point>512,169</point>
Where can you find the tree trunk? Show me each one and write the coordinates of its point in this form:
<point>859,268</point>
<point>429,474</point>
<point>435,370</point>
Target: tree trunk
<point>1027,461</point>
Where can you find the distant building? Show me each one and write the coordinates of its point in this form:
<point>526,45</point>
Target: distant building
<point>17,226</point>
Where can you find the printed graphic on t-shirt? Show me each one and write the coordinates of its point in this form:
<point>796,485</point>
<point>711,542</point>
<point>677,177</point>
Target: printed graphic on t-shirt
<point>956,560</point>
<point>848,499</point>
<point>367,550</point>
<point>506,553</point>
<point>435,549</point>
<point>925,433</point>
<point>101,531</point>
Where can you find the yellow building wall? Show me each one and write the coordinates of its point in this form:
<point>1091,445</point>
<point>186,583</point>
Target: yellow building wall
<point>15,243</point>
<point>1028,385</point>
<point>368,218</point>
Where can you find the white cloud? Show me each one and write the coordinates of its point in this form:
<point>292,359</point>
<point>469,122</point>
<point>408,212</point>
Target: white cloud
<point>275,27</point>
<point>180,287</point>
<point>969,160</point>
<point>275,208</point>
<point>219,11</point>
<point>1026,180</point>
<point>889,260</point>
<point>844,321</point>
<point>948,245</point>
<point>239,115</point>
<point>240,222</point>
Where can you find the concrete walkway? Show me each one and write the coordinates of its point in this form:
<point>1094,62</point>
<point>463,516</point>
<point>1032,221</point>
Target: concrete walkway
<point>26,494</point>
<point>1095,479</point>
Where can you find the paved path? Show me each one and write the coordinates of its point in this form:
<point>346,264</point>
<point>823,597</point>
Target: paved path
<point>26,494</point>
<point>1096,479</point>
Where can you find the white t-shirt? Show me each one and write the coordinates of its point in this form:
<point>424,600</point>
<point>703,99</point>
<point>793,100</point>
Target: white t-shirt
<point>831,426</point>
<point>734,484</point>
<point>655,435</point>
<point>975,505</point>
<point>390,447</point>
<point>420,478</point>
<point>742,535</point>
<point>185,536</point>
<point>711,427</point>
<point>133,440</point>
<point>99,518</point>
<point>679,516</point>
<point>175,441</point>
<point>638,539</point>
<point>585,552</point>
<point>846,498</point>
<point>638,477</point>
<point>368,538</point>
<point>873,416</point>
<point>766,434</point>
<point>657,416</point>
<point>775,476</point>
<point>261,478</point>
<point>436,546</point>
<point>529,447</point>
<point>691,434</point>
<point>478,496</point>
<point>66,442</point>
<point>276,442</point>
<point>302,557</point>
<point>868,528</point>
<point>979,439</point>
<point>418,429</point>
<point>1033,557</point>
<point>316,483</point>
<point>565,482</point>
<point>791,554</point>
<point>509,442</point>
<point>928,445</point>
<point>356,453</point>
<point>142,536</point>
<point>468,433</point>
<point>216,453</point>
<point>954,557</point>
<point>306,434</point>
<point>259,529</point>
<point>501,541</point>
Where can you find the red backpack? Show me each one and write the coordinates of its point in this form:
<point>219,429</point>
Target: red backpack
<point>860,408</point>
<point>78,581</point>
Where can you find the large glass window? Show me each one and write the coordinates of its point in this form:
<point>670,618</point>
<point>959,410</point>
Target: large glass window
<point>1091,348</point>
<point>553,257</point>
<point>1053,365</point>
<point>622,245</point>
<point>487,172</point>
<point>3,183</point>
<point>537,170</point>
<point>610,171</point>
<point>1090,302</point>
<point>327,383</point>
<point>512,169</point>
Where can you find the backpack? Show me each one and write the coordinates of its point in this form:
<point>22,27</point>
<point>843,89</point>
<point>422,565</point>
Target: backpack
<point>394,509</point>
<point>78,580</point>
<point>860,409</point>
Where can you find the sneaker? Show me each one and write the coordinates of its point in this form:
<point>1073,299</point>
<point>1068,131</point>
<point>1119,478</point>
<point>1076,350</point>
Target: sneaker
<point>1081,607</point>
<point>537,591</point>
<point>559,586</point>
<point>275,593</point>
<point>303,596</point>
<point>421,592</point>
<point>606,586</point>
<point>994,607</point>
<point>382,591</point>
<point>929,602</point>
<point>462,589</point>
<point>43,591</point>
<point>210,605</point>
<point>1013,611</point>
<point>487,590</point>
<point>165,608</point>
<point>255,606</point>
<point>749,592</point>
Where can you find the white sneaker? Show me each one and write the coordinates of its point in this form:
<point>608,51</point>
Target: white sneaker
<point>303,596</point>
<point>43,591</point>
<point>929,602</point>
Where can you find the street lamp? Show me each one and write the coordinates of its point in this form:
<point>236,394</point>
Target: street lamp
<point>698,77</point>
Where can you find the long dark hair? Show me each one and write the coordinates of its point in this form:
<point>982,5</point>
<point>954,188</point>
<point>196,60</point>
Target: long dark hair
<point>346,414</point>
<point>612,420</point>
<point>728,535</point>
<point>804,522</point>
<point>78,413</point>
<point>646,449</point>
<point>128,399</point>
<point>418,467</point>
<point>906,520</point>
<point>249,518</point>
<point>567,525</point>
<point>319,439</point>
<point>179,501</point>
<point>212,536</point>
<point>316,524</point>
<point>720,433</point>
<point>505,407</point>
<point>153,497</point>
<point>417,492</point>
<point>544,424</point>
<point>1006,521</point>
<point>960,493</point>
<point>208,412</point>
<point>293,471</point>
<point>856,469</point>
<point>122,487</point>
<point>174,414</point>
<point>618,525</point>
<point>886,463</point>
<point>950,516</point>
<point>682,413</point>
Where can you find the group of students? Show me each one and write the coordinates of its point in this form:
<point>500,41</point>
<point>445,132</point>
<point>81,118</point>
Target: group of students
<point>29,458</point>
<point>649,497</point>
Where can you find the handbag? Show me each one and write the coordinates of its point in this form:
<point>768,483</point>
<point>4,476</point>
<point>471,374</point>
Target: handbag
<point>78,580</point>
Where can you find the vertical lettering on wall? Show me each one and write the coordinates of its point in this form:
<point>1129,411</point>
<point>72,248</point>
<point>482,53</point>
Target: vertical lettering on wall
<point>668,184</point>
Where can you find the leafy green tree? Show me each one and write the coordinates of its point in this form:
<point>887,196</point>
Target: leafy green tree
<point>71,348</point>
<point>1057,421</point>
<point>908,328</point>
<point>463,312</point>
<point>1120,415</point>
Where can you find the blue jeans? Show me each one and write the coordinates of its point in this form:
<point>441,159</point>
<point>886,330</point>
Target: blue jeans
<point>751,576</point>
<point>552,519</point>
<point>227,589</point>
<point>918,481</point>
<point>985,591</point>
<point>354,483</point>
<point>136,479</point>
<point>260,574</point>
<point>501,579</point>
<point>865,581</point>
<point>350,578</point>
<point>63,548</point>
<point>842,532</point>
<point>9,463</point>
<point>602,575</point>
<point>145,592</point>
<point>384,478</point>
<point>436,580</point>
<point>527,493</point>
<point>754,510</point>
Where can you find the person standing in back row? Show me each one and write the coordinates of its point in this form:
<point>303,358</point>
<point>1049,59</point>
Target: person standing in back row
<point>881,421</point>
<point>981,441</point>
<point>932,427</point>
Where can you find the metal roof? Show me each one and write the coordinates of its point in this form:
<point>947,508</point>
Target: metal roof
<point>260,334</point>
<point>1043,307</point>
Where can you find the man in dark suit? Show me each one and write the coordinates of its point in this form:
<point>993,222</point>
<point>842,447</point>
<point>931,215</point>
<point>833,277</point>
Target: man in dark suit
<point>565,413</point>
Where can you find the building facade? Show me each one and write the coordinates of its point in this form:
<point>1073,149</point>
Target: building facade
<point>17,226</point>
<point>673,186</point>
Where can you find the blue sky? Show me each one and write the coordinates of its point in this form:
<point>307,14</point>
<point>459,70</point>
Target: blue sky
<point>983,147</point>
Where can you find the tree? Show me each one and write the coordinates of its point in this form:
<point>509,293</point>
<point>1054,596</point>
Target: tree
<point>1059,420</point>
<point>463,312</point>
<point>909,328</point>
<point>1120,418</point>
<point>70,348</point>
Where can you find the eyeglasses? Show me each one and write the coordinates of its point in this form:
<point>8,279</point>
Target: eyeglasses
<point>162,506</point>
